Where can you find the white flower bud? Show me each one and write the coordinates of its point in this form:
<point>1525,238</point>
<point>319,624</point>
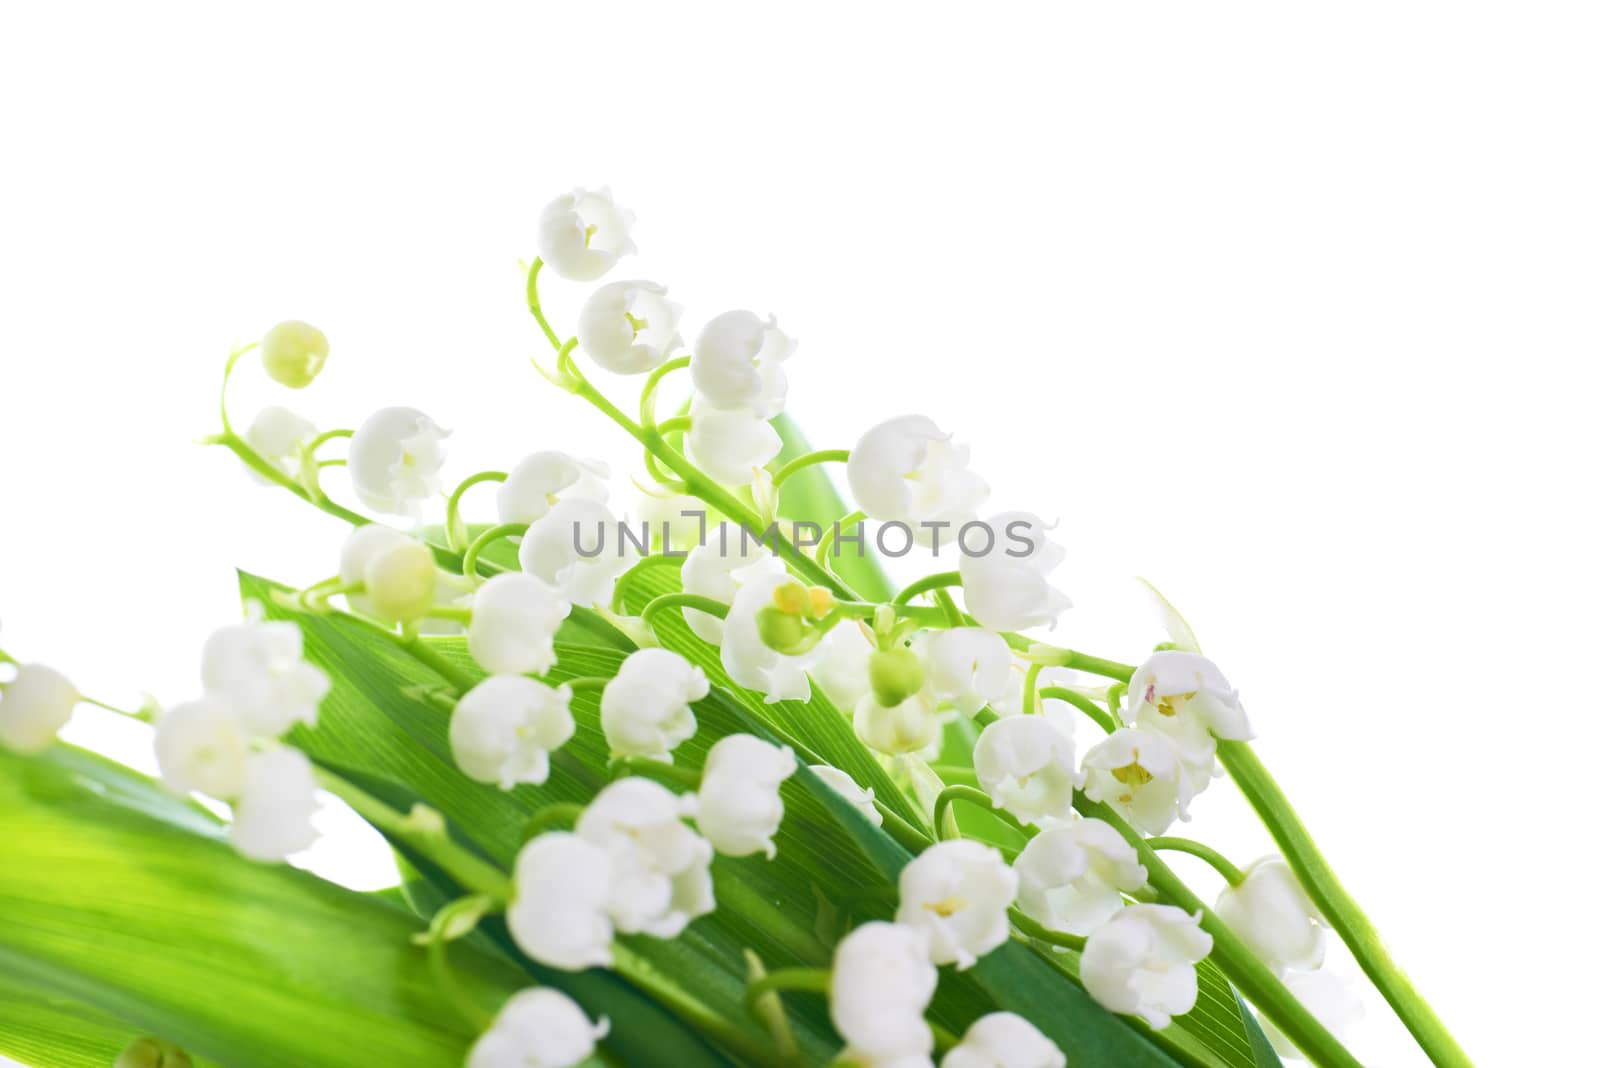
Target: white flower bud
<point>401,582</point>
<point>911,726</point>
<point>716,570</point>
<point>1071,876</point>
<point>629,328</point>
<point>748,659</point>
<point>1272,914</point>
<point>1141,962</point>
<point>737,807</point>
<point>293,353</point>
<point>958,893</point>
<point>542,479</point>
<point>261,669</point>
<point>1027,766</point>
<point>551,551</point>
<point>583,233</point>
<point>841,670</point>
<point>504,729</point>
<point>539,1028</point>
<point>907,469</point>
<point>558,915</point>
<point>272,816</point>
<point>201,745</point>
<point>515,617</point>
<point>34,706</point>
<point>738,364</point>
<point>1137,772</point>
<point>394,460</point>
<point>1004,1040</point>
<point>968,667</point>
<point>730,446</point>
<point>881,986</point>
<point>1333,1000</point>
<point>662,869</point>
<point>644,710</point>
<point>1185,697</point>
<point>277,435</point>
<point>1010,592</point>
<point>851,791</point>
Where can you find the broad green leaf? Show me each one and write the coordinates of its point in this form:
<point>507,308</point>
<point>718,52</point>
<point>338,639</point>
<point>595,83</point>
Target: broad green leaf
<point>44,1030</point>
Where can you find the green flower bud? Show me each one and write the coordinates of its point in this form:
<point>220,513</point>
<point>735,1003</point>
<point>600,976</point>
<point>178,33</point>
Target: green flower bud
<point>894,674</point>
<point>293,353</point>
<point>400,583</point>
<point>782,631</point>
<point>152,1053</point>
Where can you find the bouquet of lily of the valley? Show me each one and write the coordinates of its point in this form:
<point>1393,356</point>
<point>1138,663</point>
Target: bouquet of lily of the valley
<point>696,787</point>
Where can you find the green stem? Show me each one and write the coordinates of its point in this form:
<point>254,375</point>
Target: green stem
<point>1336,904</point>
<point>825,544</point>
<point>936,581</point>
<point>801,980</point>
<point>1101,717</point>
<point>536,307</point>
<point>952,614</point>
<point>549,817</point>
<point>585,682</point>
<point>144,715</point>
<point>425,654</point>
<point>974,796</point>
<point>911,839</point>
<point>323,438</point>
<point>1034,929</point>
<point>440,934</point>
<point>676,424</point>
<point>619,602</point>
<point>660,604</point>
<point>469,559</point>
<point>455,531</point>
<point>1070,658</point>
<point>800,463</point>
<point>253,460</point>
<point>659,770</point>
<point>1224,867</point>
<point>1030,689</point>
<point>647,396</point>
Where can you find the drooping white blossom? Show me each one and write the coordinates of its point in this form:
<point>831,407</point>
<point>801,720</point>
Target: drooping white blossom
<point>261,668</point>
<point>749,660</point>
<point>909,470</point>
<point>1137,772</point>
<point>737,364</point>
<point>629,327</point>
<point>716,569</point>
<point>401,582</point>
<point>576,548</point>
<point>1004,1040</point>
<point>34,706</point>
<point>1272,914</point>
<point>1007,586</point>
<point>538,1028</point>
<point>882,983</point>
<point>1141,962</point>
<point>504,729</point>
<point>1026,764</point>
<point>958,893</point>
<point>363,545</point>
<point>911,726</point>
<point>583,233</point>
<point>515,617</point>
<point>202,745</point>
<point>540,480</point>
<point>737,807</point>
<point>272,817</point>
<point>560,911</point>
<point>1185,697</point>
<point>1332,999</point>
<point>394,460</point>
<point>661,869</point>
<point>293,353</point>
<point>851,791</point>
<point>968,667</point>
<point>644,710</point>
<point>730,446</point>
<point>1071,876</point>
<point>277,436</point>
<point>841,669</point>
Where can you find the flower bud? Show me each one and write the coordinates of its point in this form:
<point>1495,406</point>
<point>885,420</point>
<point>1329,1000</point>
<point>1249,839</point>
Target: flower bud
<point>293,353</point>
<point>539,1028</point>
<point>400,582</point>
<point>152,1053</point>
<point>894,675</point>
<point>37,703</point>
<point>583,233</point>
<point>781,631</point>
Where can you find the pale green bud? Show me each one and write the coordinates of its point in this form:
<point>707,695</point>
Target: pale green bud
<point>895,674</point>
<point>782,631</point>
<point>400,582</point>
<point>293,353</point>
<point>152,1053</point>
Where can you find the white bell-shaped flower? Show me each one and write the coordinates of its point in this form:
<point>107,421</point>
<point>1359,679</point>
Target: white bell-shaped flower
<point>1004,1040</point>
<point>662,869</point>
<point>716,569</point>
<point>1026,764</point>
<point>645,711</point>
<point>394,460</point>
<point>1272,914</point>
<point>841,670</point>
<point>629,327</point>
<point>852,791</point>
<point>34,706</point>
<point>1071,876</point>
<point>1141,962</point>
<point>277,435</point>
<point>577,549</point>
<point>363,545</point>
<point>583,233</point>
<point>912,726</point>
<point>737,807</point>
<point>958,892</point>
<point>504,729</point>
<point>272,817</point>
<point>751,662</point>
<point>540,480</point>
<point>968,667</point>
<point>559,913</point>
<point>1138,773</point>
<point>539,1028</point>
<point>1332,999</point>
<point>401,582</point>
<point>1184,696</point>
<point>881,986</point>
<point>202,746</point>
<point>730,446</point>
<point>515,617</point>
<point>1006,587</point>
<point>738,363</point>
<point>261,668</point>
<point>293,353</point>
<point>907,469</point>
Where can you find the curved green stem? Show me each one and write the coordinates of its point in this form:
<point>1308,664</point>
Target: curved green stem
<point>323,438</point>
<point>913,840</point>
<point>455,531</point>
<point>1224,867</point>
<point>536,307</point>
<point>550,817</point>
<point>800,463</point>
<point>585,682</point>
<point>1101,717</point>
<point>660,604</point>
<point>662,772</point>
<point>1036,930</point>
<point>442,930</point>
<point>825,544</point>
<point>469,559</point>
<point>676,424</point>
<point>452,613</point>
<point>1071,658</point>
<point>1030,689</point>
<point>425,654</point>
<point>253,460</point>
<point>794,980</point>
<point>647,396</point>
<point>619,603</point>
<point>936,581</point>
<point>952,614</point>
<point>973,796</point>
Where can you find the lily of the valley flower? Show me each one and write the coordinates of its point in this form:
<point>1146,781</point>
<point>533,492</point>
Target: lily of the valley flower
<point>1137,772</point>
<point>716,569</point>
<point>629,327</point>
<point>841,670</point>
<point>363,545</point>
<point>1272,914</point>
<point>273,813</point>
<point>583,233</point>
<point>909,470</point>
<point>1184,696</point>
<point>1071,876</point>
<point>260,667</point>
<point>1012,592</point>
<point>958,892</point>
<point>968,667</point>
<point>738,364</point>
<point>504,729</point>
<point>401,581</point>
<point>1027,766</point>
<point>394,460</point>
<point>731,446</point>
<point>644,710</point>
<point>539,1028</point>
<point>661,868</point>
<point>293,353</point>
<point>1141,962</point>
<point>1332,999</point>
<point>514,621</point>
<point>277,435</point>
<point>911,726</point>
<point>540,480</point>
<point>1004,1040</point>
<point>34,706</point>
<point>748,659</point>
<point>560,913</point>
<point>202,745</point>
<point>881,986</point>
<point>737,806</point>
<point>550,551</point>
<point>851,791</point>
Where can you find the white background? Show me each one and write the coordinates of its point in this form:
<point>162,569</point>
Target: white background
<point>1291,310</point>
